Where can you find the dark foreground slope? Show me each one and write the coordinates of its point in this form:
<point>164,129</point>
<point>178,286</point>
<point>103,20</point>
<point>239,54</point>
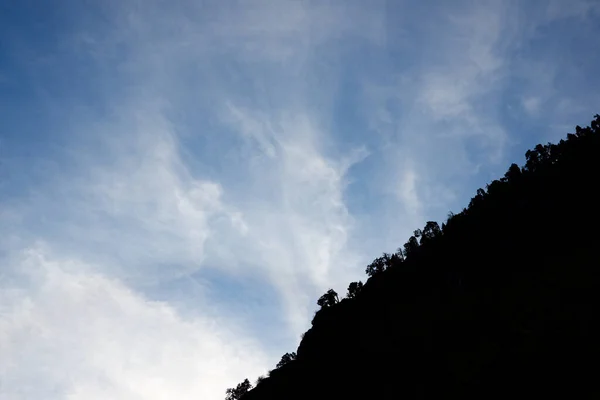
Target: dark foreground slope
<point>500,302</point>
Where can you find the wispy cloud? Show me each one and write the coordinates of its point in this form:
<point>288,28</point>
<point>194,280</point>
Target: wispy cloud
<point>298,224</point>
<point>184,151</point>
<point>532,105</point>
<point>70,333</point>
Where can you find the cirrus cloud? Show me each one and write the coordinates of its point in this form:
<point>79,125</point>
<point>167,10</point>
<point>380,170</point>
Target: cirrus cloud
<point>180,181</point>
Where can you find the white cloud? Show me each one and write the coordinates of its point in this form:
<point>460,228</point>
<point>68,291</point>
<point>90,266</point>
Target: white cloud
<point>68,332</point>
<point>408,193</point>
<point>131,202</point>
<point>137,215</point>
<point>298,224</point>
<point>436,115</point>
<point>253,129</point>
<point>532,105</point>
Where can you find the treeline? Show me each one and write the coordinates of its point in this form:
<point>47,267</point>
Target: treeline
<point>500,296</point>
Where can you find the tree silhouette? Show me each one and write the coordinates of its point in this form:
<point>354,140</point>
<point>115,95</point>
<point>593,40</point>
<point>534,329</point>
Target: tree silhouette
<point>431,230</point>
<point>286,359</point>
<point>382,263</point>
<point>513,173</point>
<point>411,246</point>
<point>329,299</point>
<point>240,390</point>
<point>377,266</point>
<point>354,289</point>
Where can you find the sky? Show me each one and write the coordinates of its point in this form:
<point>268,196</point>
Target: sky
<point>181,180</point>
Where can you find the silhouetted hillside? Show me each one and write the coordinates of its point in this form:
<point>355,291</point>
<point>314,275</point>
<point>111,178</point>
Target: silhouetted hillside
<point>498,301</point>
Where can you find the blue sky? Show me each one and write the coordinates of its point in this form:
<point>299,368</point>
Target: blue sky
<point>180,181</point>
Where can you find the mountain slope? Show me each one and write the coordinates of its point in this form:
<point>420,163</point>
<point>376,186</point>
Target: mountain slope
<point>499,301</point>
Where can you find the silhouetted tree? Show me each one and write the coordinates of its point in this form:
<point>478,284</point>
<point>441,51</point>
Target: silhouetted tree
<point>478,199</point>
<point>260,379</point>
<point>399,254</point>
<point>240,390</point>
<point>286,358</point>
<point>431,230</point>
<point>354,289</point>
<point>411,246</point>
<point>377,266</point>
<point>513,173</point>
<point>382,263</point>
<point>329,299</point>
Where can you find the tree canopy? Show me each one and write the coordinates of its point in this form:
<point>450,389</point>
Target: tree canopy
<point>354,289</point>
<point>239,391</point>
<point>329,299</point>
<point>286,359</point>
